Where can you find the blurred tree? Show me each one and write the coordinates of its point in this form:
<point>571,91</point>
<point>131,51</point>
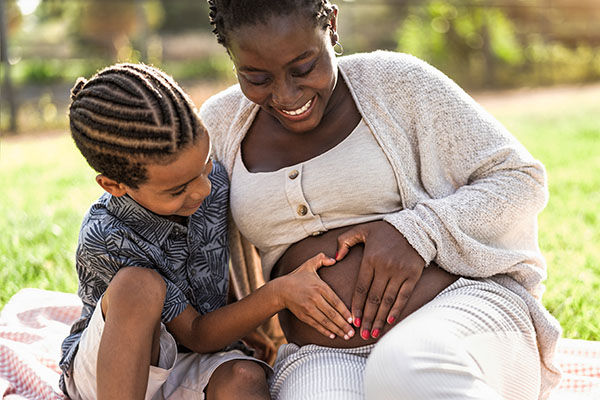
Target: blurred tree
<point>455,38</point>
<point>185,15</point>
<point>111,27</point>
<point>10,17</point>
<point>370,24</point>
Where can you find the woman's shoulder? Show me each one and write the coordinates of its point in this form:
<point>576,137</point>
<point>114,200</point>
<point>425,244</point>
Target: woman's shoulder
<point>384,62</point>
<point>388,73</point>
<point>389,70</point>
<point>225,103</point>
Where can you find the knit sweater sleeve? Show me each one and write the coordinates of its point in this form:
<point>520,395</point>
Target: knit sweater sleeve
<point>227,116</point>
<point>471,191</point>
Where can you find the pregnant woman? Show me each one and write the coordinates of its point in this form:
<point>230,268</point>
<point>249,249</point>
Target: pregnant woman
<point>382,161</point>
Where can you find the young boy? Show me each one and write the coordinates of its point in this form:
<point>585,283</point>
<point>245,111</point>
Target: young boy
<point>152,257</point>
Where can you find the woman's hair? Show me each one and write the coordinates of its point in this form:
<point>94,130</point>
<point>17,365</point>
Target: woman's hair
<point>129,115</point>
<point>226,15</point>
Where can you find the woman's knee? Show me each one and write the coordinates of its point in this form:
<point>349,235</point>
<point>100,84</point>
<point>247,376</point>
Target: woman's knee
<point>437,360</point>
<point>412,364</point>
<point>135,288</point>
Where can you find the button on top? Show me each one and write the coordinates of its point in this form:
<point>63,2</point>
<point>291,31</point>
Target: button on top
<point>317,233</point>
<point>302,210</point>
<point>293,174</point>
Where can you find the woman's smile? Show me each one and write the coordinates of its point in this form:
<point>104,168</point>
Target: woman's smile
<point>299,113</point>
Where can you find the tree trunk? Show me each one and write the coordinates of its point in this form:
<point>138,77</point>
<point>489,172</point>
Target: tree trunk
<point>7,90</point>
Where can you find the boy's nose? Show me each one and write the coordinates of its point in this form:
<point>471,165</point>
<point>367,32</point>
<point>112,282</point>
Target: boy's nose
<point>201,190</point>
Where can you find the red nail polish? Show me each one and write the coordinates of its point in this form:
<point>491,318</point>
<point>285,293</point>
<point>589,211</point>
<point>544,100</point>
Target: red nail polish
<point>375,333</point>
<point>364,334</point>
<point>391,320</point>
<point>336,254</point>
<point>357,322</point>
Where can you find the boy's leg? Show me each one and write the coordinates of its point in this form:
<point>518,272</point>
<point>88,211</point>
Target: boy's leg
<point>132,307</point>
<point>238,379</point>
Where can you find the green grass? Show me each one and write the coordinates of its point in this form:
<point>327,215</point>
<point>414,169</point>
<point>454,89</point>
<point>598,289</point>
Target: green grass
<point>47,187</point>
<point>568,143</point>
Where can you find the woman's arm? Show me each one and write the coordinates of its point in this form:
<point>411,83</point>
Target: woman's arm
<point>302,292</point>
<point>471,192</point>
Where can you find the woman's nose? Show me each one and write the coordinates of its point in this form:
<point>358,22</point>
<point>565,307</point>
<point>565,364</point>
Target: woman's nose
<point>285,93</point>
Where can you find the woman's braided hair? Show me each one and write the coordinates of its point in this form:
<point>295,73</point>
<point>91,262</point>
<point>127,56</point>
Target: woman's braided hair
<point>226,15</point>
<point>129,115</point>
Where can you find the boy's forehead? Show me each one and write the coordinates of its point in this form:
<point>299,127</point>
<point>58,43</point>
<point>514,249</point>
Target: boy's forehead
<point>184,167</point>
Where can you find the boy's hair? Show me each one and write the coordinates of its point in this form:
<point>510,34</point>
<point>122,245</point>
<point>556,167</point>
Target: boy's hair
<point>129,115</point>
<point>226,15</point>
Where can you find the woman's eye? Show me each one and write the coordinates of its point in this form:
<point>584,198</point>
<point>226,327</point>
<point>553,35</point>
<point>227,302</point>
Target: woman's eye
<point>257,80</point>
<point>304,70</point>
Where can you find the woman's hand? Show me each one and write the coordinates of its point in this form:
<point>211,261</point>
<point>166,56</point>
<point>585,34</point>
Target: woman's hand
<point>264,348</point>
<point>313,302</point>
<point>389,271</point>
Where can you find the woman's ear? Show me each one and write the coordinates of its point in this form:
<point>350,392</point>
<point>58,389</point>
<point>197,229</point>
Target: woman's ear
<point>333,18</point>
<point>111,186</point>
<point>333,25</point>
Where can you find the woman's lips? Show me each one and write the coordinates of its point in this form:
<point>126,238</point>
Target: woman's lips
<point>299,113</point>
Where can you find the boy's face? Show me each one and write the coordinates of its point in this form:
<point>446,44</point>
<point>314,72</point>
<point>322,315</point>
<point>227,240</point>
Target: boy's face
<point>179,188</point>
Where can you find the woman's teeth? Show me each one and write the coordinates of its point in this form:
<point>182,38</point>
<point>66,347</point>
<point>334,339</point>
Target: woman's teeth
<point>300,110</point>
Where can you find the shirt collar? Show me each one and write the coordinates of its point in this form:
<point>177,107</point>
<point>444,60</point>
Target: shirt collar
<point>152,227</point>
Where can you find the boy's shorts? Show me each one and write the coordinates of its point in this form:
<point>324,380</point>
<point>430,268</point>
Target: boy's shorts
<point>177,376</point>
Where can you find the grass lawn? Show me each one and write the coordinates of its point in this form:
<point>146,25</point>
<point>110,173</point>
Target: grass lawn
<point>47,187</point>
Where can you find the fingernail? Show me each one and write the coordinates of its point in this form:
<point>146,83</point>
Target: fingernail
<point>346,337</point>
<point>364,334</point>
<point>332,336</point>
<point>351,333</point>
<point>375,333</point>
<point>357,322</point>
<point>349,320</point>
<point>391,320</point>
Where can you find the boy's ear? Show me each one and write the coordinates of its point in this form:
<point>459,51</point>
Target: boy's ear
<point>111,186</point>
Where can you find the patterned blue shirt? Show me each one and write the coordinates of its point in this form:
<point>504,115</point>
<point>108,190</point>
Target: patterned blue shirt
<point>193,261</point>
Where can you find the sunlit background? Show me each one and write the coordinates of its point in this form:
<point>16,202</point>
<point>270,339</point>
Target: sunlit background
<point>47,44</point>
<point>534,64</point>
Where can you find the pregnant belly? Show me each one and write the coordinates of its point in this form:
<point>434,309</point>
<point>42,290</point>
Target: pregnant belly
<point>341,277</point>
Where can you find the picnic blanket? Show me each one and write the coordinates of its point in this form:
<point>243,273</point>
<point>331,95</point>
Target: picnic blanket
<point>34,323</point>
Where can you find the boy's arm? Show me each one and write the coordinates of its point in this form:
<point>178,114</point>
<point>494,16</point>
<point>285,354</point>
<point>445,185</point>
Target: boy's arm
<point>302,292</point>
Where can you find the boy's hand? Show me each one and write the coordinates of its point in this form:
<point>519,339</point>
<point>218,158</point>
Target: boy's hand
<point>312,301</point>
<point>264,348</point>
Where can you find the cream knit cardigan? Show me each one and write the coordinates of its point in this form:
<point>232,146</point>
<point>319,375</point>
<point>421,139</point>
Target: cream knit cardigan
<point>471,192</point>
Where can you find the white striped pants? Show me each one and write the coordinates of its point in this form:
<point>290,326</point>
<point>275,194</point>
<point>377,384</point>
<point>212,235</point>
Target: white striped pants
<point>475,340</point>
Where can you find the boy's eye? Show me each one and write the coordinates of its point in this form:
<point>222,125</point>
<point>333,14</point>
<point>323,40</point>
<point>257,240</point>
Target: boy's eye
<point>179,192</point>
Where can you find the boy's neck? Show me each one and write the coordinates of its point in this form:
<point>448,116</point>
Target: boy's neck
<point>178,219</point>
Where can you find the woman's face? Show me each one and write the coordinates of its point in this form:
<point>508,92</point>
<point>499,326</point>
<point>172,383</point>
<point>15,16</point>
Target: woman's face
<point>287,66</point>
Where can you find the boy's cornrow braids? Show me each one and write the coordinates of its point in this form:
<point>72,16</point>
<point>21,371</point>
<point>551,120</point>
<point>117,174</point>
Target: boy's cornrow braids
<point>226,15</point>
<point>185,110</point>
<point>128,115</point>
